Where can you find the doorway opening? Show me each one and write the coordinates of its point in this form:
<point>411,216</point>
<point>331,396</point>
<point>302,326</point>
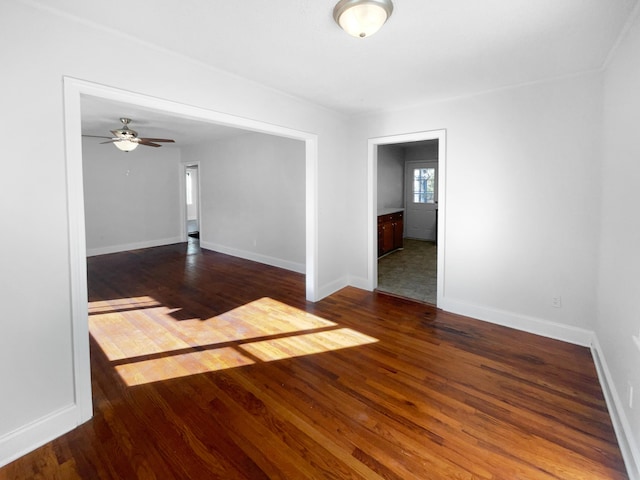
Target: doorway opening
<point>406,187</point>
<point>192,200</point>
<point>74,91</point>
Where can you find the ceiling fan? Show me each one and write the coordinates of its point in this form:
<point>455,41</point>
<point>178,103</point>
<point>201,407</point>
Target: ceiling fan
<point>127,139</point>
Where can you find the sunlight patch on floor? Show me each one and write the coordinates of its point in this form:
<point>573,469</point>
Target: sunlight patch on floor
<point>182,365</point>
<point>134,333</point>
<point>306,344</point>
<point>120,304</point>
<point>130,330</point>
<point>126,332</point>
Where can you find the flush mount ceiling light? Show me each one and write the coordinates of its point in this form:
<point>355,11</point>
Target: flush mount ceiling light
<point>362,18</point>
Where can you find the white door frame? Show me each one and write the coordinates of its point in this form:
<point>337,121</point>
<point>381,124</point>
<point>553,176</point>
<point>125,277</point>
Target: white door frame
<point>184,217</point>
<point>74,89</point>
<point>372,201</point>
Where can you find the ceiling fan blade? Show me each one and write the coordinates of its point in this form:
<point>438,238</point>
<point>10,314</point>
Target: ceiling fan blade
<point>110,141</point>
<point>95,136</point>
<point>143,141</point>
<point>156,140</point>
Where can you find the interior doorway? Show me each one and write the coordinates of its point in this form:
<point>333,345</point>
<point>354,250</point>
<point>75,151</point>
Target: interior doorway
<point>407,176</point>
<point>411,168</point>
<point>192,200</point>
<point>74,90</point>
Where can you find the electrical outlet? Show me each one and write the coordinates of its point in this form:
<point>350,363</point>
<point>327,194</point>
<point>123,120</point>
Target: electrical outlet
<point>556,302</point>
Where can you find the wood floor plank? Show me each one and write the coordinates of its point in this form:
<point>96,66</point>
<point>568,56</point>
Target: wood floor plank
<point>209,366</point>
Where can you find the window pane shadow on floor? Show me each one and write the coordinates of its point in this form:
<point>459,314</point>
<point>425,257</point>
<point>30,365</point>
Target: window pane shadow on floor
<point>410,272</point>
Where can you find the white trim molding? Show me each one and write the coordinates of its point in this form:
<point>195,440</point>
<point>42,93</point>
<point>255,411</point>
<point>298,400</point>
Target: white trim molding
<point>182,202</point>
<point>372,202</point>
<point>524,323</point>
<point>92,252</point>
<point>626,442</point>
<point>254,257</point>
<point>15,444</point>
<point>77,251</point>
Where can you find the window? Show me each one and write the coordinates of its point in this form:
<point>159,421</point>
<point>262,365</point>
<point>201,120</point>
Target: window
<point>424,185</point>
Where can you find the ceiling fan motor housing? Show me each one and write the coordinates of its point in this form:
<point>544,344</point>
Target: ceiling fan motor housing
<point>125,133</point>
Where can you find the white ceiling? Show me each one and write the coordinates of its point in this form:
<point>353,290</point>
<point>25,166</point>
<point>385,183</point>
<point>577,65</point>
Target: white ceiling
<point>100,116</point>
<point>428,50</point>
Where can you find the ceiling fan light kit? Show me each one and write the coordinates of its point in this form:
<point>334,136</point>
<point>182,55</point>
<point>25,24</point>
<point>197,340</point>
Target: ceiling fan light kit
<point>362,18</point>
<point>126,145</point>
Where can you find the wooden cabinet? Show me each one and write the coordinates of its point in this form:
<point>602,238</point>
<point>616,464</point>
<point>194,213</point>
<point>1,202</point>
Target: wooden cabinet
<point>390,232</point>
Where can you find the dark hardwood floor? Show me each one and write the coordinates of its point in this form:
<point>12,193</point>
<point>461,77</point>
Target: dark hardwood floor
<point>206,366</point>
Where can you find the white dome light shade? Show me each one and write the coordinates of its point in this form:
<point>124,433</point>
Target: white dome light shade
<point>126,145</point>
<point>362,18</point>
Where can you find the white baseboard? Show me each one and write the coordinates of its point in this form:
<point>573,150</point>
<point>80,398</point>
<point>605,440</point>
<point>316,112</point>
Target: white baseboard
<point>15,444</point>
<point>626,442</point>
<point>255,257</point>
<point>91,252</point>
<point>331,288</point>
<point>360,282</point>
<point>525,323</point>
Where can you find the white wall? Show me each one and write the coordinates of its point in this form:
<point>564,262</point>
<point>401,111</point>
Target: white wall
<point>522,206</point>
<point>36,364</point>
<point>422,151</point>
<point>619,267</point>
<point>132,200</point>
<point>253,192</point>
<point>390,180</point>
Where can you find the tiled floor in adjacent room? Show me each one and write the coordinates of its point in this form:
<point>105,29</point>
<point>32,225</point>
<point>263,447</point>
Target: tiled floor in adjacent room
<point>410,272</point>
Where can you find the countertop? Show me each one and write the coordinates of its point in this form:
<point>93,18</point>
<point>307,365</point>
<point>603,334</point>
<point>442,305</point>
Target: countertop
<point>387,211</point>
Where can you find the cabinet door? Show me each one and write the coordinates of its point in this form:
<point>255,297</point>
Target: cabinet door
<point>387,237</point>
<point>398,232</point>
